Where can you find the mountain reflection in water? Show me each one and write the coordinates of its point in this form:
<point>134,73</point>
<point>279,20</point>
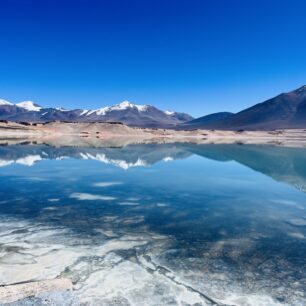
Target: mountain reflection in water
<point>281,163</point>
<point>157,224</point>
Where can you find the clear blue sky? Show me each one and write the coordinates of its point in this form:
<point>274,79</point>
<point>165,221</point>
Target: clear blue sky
<point>193,56</point>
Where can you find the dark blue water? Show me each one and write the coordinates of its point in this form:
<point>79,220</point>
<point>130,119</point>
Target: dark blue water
<point>170,224</point>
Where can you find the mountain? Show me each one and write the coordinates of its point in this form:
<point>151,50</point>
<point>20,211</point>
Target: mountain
<point>287,110</point>
<point>135,115</point>
<point>4,102</point>
<point>208,120</point>
<point>179,116</point>
<point>125,112</point>
<point>29,106</point>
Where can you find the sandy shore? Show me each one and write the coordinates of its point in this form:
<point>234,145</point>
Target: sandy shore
<point>101,134</point>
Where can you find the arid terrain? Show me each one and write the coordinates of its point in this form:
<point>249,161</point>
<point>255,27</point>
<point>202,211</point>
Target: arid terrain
<point>116,134</point>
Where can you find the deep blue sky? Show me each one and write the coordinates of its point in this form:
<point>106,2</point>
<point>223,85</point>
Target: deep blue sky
<point>193,56</point>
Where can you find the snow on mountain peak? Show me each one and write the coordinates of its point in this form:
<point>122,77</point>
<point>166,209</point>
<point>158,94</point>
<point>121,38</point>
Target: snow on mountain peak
<point>170,113</point>
<point>126,104</point>
<point>61,109</point>
<point>4,102</point>
<point>29,106</point>
<point>167,112</point>
<point>117,107</point>
<point>142,108</point>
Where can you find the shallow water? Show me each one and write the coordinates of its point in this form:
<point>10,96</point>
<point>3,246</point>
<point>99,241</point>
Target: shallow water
<point>167,224</point>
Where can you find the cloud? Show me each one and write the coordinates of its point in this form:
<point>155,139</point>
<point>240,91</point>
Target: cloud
<point>161,204</point>
<point>90,197</point>
<point>297,235</point>
<point>133,199</point>
<point>107,184</point>
<point>128,203</point>
<point>35,178</point>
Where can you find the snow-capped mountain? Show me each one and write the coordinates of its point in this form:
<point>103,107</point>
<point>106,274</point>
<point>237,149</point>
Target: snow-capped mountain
<point>29,106</point>
<point>133,114</point>
<point>125,112</point>
<point>4,102</point>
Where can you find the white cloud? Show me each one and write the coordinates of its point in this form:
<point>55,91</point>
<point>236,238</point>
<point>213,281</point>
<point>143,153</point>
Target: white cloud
<point>297,235</point>
<point>128,203</point>
<point>161,204</point>
<point>90,197</point>
<point>107,184</point>
<point>133,199</point>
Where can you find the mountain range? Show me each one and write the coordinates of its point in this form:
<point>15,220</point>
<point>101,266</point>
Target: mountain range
<point>287,110</point>
<point>125,112</point>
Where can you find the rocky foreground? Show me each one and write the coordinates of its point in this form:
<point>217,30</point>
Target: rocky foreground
<point>93,134</point>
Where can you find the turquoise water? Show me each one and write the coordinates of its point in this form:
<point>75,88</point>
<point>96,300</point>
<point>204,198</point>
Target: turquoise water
<point>168,224</point>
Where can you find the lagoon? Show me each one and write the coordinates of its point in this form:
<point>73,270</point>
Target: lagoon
<point>156,224</point>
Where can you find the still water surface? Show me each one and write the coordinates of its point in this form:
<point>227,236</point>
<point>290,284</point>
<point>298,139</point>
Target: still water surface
<point>167,224</point>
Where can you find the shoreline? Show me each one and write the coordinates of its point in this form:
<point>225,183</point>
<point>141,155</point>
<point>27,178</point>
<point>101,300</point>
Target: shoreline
<point>95,134</point>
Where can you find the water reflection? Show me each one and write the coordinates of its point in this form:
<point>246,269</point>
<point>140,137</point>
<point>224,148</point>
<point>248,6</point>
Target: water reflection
<point>157,224</point>
<point>281,163</point>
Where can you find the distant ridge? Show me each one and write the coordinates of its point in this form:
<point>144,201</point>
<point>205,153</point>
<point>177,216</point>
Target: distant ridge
<point>287,110</point>
<point>208,120</point>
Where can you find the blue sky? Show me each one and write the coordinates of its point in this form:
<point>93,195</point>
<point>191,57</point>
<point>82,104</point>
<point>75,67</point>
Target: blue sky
<point>193,56</point>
